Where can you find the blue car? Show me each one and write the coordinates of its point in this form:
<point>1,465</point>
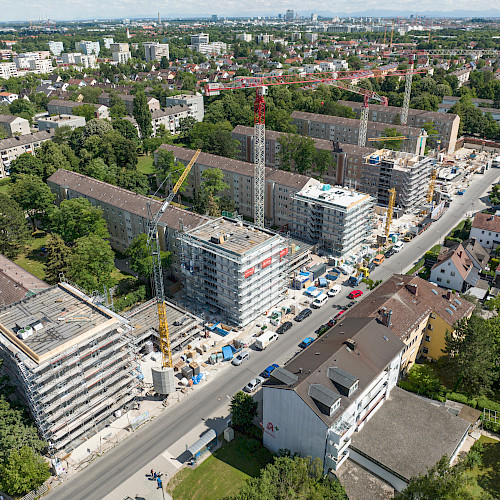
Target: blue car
<point>307,341</point>
<point>267,372</point>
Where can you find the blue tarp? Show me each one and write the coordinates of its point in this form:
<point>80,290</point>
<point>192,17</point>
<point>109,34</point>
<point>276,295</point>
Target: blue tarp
<point>311,289</point>
<point>304,273</point>
<point>227,352</point>
<point>322,282</point>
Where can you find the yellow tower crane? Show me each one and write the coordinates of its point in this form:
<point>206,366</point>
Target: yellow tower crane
<point>157,278</point>
<point>432,185</point>
<point>390,211</point>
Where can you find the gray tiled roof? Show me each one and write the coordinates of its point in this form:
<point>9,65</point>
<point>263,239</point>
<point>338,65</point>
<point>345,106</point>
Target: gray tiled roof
<point>22,140</point>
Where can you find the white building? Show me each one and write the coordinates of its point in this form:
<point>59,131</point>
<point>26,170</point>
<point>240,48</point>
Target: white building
<point>233,269</point>
<point>121,53</point>
<point>311,37</point>
<point>316,402</point>
<point>14,125</point>
<point>7,70</point>
<point>336,219</point>
<point>79,59</point>
<point>208,48</point>
<point>195,103</point>
<point>155,51</point>
<point>264,38</point>
<point>88,48</point>
<point>200,38</point>
<point>486,229</point>
<point>56,48</point>
<point>107,42</point>
<point>244,37</point>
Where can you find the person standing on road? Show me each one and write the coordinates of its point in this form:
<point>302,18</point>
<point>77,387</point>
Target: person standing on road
<point>158,481</point>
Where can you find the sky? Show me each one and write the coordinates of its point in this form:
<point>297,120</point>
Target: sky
<point>25,10</point>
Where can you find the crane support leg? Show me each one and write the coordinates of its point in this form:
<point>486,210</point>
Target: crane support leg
<point>259,155</point>
<point>363,125</point>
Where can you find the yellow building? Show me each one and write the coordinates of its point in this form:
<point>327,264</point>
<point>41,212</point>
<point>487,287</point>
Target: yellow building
<point>419,312</point>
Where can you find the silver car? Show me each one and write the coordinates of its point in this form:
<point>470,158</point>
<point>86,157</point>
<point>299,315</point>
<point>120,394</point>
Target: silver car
<point>254,384</point>
<point>242,356</point>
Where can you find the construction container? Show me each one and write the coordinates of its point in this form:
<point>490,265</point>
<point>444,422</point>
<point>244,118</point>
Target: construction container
<point>229,434</point>
<point>163,380</point>
<point>187,372</point>
<point>195,367</point>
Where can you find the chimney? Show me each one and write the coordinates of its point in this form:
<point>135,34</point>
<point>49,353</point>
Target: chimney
<point>459,253</point>
<point>412,288</point>
<point>448,294</point>
<point>473,241</point>
<point>351,344</point>
<point>386,318</point>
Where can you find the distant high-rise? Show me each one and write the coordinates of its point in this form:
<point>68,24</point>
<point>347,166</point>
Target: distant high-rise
<point>289,16</point>
<point>159,18</point>
<point>214,18</point>
<point>314,17</point>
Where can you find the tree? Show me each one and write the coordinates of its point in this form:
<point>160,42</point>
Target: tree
<point>395,145</point>
<point>77,218</point>
<point>52,158</point>
<point>140,259</point>
<point>212,182</point>
<point>62,135</point>
<point>27,164</point>
<point>474,350</point>
<point>23,471</point>
<point>142,114</point>
<point>98,127</point>
<point>133,180</point>
<point>126,129</point>
<point>14,232</point>
<point>243,410</point>
<point>92,263</point>
<point>323,160</point>
<point>185,125</point>
<point>118,109</point>
<point>214,139</point>
<point>296,153</point>
<point>425,380</point>
<point>292,478</point>
<point>85,110</point>
<point>441,481</point>
<point>58,259</point>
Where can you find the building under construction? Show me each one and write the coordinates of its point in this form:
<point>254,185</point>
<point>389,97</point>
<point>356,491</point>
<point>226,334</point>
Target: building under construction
<point>233,269</point>
<point>71,360</point>
<point>408,173</point>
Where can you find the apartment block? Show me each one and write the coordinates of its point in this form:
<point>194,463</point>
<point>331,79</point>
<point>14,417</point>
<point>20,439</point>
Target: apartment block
<point>14,125</point>
<point>56,48</point>
<point>70,360</point>
<point>418,312</point>
<point>239,175</point>
<point>200,38</point>
<point>446,124</point>
<point>12,148</point>
<point>409,174</point>
<point>346,130</point>
<point>318,400</point>
<point>108,41</point>
<point>155,51</point>
<point>88,48</point>
<point>128,100</point>
<point>53,122</point>
<point>125,212</point>
<point>120,52</point>
<point>347,158</point>
<point>79,59</point>
<point>62,107</point>
<point>244,37</point>
<point>337,220</point>
<point>233,269</point>
<point>194,101</point>
<point>7,70</point>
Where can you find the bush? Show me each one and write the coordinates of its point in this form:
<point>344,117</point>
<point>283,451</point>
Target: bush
<point>490,426</point>
<point>461,398</point>
<point>483,403</point>
<point>131,298</point>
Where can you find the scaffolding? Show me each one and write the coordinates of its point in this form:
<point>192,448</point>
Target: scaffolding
<point>432,184</point>
<point>390,211</point>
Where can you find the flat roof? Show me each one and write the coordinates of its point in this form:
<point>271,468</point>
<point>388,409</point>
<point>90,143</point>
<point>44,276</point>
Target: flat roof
<point>409,434</point>
<point>59,118</point>
<point>231,235</point>
<point>67,317</point>
<point>333,195</point>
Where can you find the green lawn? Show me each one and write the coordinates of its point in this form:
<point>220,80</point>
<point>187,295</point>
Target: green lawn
<point>145,164</point>
<point>223,473</point>
<point>31,260</point>
<point>488,475</point>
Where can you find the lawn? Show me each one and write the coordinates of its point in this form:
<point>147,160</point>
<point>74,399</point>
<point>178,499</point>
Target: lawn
<point>145,164</point>
<point>31,259</point>
<point>223,473</point>
<point>488,475</point>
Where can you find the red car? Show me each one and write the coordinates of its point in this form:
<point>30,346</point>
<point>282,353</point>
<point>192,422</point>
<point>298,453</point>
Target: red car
<point>355,294</point>
<point>338,315</point>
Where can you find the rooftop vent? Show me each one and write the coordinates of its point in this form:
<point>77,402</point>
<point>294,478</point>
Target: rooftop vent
<point>350,343</point>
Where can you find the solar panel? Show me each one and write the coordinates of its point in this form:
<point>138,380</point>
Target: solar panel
<point>449,311</point>
<point>434,292</point>
<point>458,302</point>
<point>453,307</point>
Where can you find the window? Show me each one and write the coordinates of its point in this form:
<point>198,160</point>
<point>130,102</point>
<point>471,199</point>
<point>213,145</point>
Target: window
<point>433,316</point>
<point>442,271</point>
<point>452,273</point>
<point>427,338</point>
<point>439,279</point>
<point>430,327</point>
<point>425,350</point>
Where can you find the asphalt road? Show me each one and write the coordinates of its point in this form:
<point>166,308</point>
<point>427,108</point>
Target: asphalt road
<point>120,463</point>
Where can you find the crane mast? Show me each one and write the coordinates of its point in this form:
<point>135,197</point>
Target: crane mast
<point>157,276</point>
<point>259,154</point>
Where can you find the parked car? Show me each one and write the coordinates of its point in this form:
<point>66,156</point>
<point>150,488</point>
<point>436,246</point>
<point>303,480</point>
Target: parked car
<point>303,315</point>
<point>284,327</point>
<point>339,315</point>
<point>355,294</point>
<point>254,384</point>
<point>389,253</point>
<point>307,341</point>
<point>398,246</point>
<point>240,358</point>
<point>267,372</point>
<point>335,290</point>
<point>371,266</point>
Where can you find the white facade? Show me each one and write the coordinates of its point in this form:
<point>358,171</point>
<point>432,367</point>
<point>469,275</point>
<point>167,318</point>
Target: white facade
<point>244,37</point>
<point>489,239</point>
<point>195,103</point>
<point>447,275</point>
<point>121,57</point>
<point>87,47</point>
<point>200,38</point>
<point>79,59</point>
<point>155,51</point>
<point>56,48</point>
<point>7,70</point>
<point>107,42</point>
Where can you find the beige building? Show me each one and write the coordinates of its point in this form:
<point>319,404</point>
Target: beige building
<point>105,98</point>
<point>154,51</point>
<point>125,212</point>
<point>12,148</point>
<point>445,123</point>
<point>14,125</point>
<point>239,175</point>
<point>62,107</point>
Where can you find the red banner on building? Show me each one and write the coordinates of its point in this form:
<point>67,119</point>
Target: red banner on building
<point>283,252</point>
<point>266,262</point>
<point>249,272</point>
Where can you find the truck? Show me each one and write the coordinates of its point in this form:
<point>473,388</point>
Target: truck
<point>265,339</point>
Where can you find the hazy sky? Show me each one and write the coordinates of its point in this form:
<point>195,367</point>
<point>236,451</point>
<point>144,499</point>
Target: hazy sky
<point>88,9</point>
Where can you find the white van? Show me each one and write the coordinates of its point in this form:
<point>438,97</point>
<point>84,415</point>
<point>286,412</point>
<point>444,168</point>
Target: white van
<point>398,246</point>
<point>265,339</point>
<point>320,300</point>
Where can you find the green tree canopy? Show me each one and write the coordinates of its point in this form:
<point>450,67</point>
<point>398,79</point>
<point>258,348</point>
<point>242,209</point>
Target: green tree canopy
<point>214,139</point>
<point>296,153</point>
<point>14,233</point>
<point>27,164</point>
<point>243,410</point>
<point>140,259</point>
<point>395,145</point>
<point>58,259</point>
<point>142,114</point>
<point>85,110</point>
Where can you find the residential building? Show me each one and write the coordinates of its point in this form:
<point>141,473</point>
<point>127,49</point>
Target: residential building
<point>107,42</point>
<point>169,117</point>
<point>210,48</point>
<point>346,130</point>
<point>289,16</point>
<point>337,220</point>
<point>32,61</point>
<point>446,124</point>
<point>315,403</point>
<point>7,70</point>
<point>61,107</point>
<point>14,125</point>
<point>279,184</point>
<point>8,97</point>
<point>194,101</point>
<point>70,361</point>
<point>233,269</point>
<point>57,121</point>
<point>311,37</point>
<point>476,253</point>
<point>417,311</point>
<point>12,148</point>
<point>120,52</point>
<point>486,230</point>
<point>263,38</point>
<point>244,37</point>
<point>200,38</point>
<point>462,74</point>
<point>56,48</point>
<point>128,100</point>
<point>88,48</point>
<point>125,212</point>
<point>79,59</point>
<point>408,173</point>
<point>155,51</point>
<point>345,169</point>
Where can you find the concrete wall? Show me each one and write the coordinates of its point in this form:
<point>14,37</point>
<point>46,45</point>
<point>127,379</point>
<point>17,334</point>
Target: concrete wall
<point>450,278</point>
